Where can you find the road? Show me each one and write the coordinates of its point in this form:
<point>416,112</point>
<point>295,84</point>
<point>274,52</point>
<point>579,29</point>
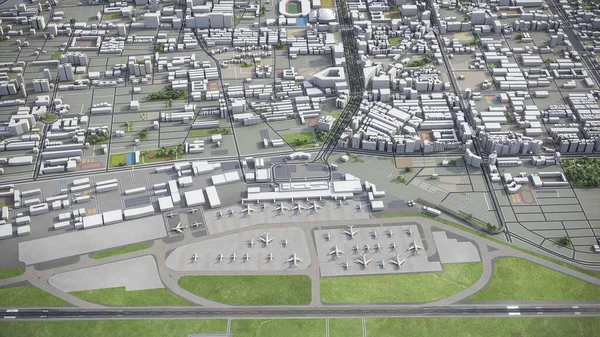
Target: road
<point>380,311</point>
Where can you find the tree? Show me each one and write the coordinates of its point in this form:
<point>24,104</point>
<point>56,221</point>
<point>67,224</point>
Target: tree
<point>564,241</point>
<point>408,169</point>
<point>143,134</point>
<point>72,21</point>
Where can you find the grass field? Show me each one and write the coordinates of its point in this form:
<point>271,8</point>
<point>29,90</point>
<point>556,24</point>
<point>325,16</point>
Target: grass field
<point>517,279</point>
<point>250,290</point>
<point>488,327</point>
<point>136,298</point>
<point>56,55</point>
<point>112,328</point>
<point>119,251</point>
<point>424,287</point>
<point>394,41</point>
<point>278,328</point>
<point>11,272</point>
<point>117,160</point>
<point>327,3</point>
<point>345,327</point>
<point>208,132</point>
<point>28,296</point>
<point>301,139</point>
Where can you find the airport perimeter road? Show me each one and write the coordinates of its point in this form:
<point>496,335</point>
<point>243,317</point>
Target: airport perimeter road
<point>380,311</point>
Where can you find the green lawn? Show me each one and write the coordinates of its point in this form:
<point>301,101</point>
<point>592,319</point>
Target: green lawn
<point>112,328</point>
<point>251,290</point>
<point>345,327</point>
<point>119,159</point>
<point>517,279</point>
<point>28,296</point>
<point>278,328</point>
<point>136,298</point>
<point>301,139</point>
<point>394,41</point>
<point>11,272</point>
<point>423,287</point>
<point>488,327</point>
<point>208,132</point>
<point>335,113</point>
<point>121,250</point>
<point>49,118</point>
<point>56,55</point>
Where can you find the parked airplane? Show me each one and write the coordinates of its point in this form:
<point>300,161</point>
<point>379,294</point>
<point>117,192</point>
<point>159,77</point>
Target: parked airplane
<point>171,215</point>
<point>179,228</point>
<point>231,211</point>
<point>246,257</point>
<point>390,233</point>
<point>393,245</point>
<point>351,232</point>
<point>314,205</point>
<point>377,246</point>
<point>382,263</point>
<point>264,206</point>
<point>295,259</point>
<point>409,231</point>
<point>220,257</point>
<point>251,242</point>
<point>285,242</point>
<point>346,265</point>
<point>364,260</point>
<point>219,214</point>
<point>359,206</point>
<point>397,261</point>
<point>374,234</point>
<point>270,257</point>
<point>327,236</point>
<point>335,251</point>
<point>196,224</point>
<point>192,210</point>
<point>248,210</point>
<point>414,246</point>
<point>282,208</point>
<point>367,247</point>
<point>356,248</point>
<point>299,207</point>
<point>265,239</point>
<point>195,257</point>
<point>233,256</point>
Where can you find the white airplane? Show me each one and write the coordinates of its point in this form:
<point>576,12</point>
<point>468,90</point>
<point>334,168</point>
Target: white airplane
<point>251,242</point>
<point>246,257</point>
<point>315,206</point>
<point>364,260</point>
<point>390,233</point>
<point>298,207</point>
<point>393,245</point>
<point>233,256</point>
<point>377,246</point>
<point>295,259</point>
<point>367,247</point>
<point>265,239</point>
<point>382,264</point>
<point>346,265</point>
<point>270,257</point>
<point>195,257</point>
<point>409,231</point>
<point>282,208</point>
<point>263,206</point>
<point>285,242</point>
<point>397,261</point>
<point>414,246</point>
<point>196,224</point>
<point>356,248</point>
<point>248,210</point>
<point>171,215</point>
<point>359,206</point>
<point>351,232</point>
<point>179,228</point>
<point>219,214</point>
<point>327,236</point>
<point>231,211</point>
<point>335,251</point>
<point>192,210</point>
<point>220,257</point>
<point>374,234</point>
<point>338,202</point>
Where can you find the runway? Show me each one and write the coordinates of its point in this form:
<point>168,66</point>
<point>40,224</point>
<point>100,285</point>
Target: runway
<point>303,312</point>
